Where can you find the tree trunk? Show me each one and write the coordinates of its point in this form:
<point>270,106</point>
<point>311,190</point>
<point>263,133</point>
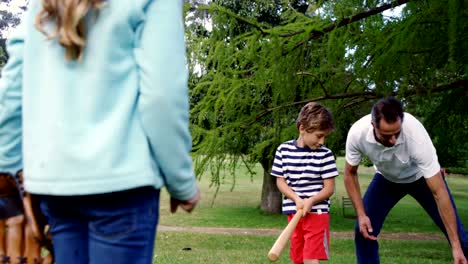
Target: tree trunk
<point>271,197</point>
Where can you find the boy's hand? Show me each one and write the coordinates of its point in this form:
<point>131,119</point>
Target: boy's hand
<point>308,203</point>
<point>299,203</point>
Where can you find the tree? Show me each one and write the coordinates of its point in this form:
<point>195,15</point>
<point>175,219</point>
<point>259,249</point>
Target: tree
<point>8,19</point>
<point>263,60</point>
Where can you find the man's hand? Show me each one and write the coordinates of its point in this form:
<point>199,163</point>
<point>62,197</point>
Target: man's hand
<point>447,212</point>
<point>188,206</point>
<point>365,227</point>
<point>458,256</point>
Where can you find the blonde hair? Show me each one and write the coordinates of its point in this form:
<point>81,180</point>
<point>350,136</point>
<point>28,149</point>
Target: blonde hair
<point>314,116</point>
<point>70,27</point>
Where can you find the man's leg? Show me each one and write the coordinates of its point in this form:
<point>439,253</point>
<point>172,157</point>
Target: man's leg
<point>421,193</point>
<point>380,197</point>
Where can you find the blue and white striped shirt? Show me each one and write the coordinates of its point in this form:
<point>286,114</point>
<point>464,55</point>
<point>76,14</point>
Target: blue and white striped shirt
<point>304,170</point>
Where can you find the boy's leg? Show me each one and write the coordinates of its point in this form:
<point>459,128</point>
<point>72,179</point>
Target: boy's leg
<point>421,193</point>
<point>317,238</point>
<point>123,229</point>
<point>68,227</point>
<point>297,242</point>
<point>380,197</point>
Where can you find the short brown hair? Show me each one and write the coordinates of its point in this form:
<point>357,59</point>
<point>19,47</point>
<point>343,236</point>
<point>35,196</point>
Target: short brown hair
<point>314,116</point>
<point>389,108</point>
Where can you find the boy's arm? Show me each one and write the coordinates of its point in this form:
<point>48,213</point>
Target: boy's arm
<point>288,192</point>
<point>324,194</point>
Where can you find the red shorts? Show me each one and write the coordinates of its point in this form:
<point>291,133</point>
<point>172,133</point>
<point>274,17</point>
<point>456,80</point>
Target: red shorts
<point>311,238</point>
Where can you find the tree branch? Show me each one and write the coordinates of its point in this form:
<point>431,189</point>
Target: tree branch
<point>367,95</point>
<point>316,78</point>
<point>215,7</point>
<point>315,34</point>
<point>316,99</point>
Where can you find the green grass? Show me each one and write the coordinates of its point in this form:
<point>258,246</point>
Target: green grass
<point>239,207</point>
<point>249,249</point>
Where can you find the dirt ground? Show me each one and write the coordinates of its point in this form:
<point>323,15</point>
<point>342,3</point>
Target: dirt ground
<point>275,232</point>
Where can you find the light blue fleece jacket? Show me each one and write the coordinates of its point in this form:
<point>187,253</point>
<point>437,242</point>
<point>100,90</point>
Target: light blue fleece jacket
<point>117,119</point>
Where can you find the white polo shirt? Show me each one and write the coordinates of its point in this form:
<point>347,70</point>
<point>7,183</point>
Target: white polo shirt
<point>412,157</point>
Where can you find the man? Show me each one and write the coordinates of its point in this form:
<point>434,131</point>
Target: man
<point>406,162</point>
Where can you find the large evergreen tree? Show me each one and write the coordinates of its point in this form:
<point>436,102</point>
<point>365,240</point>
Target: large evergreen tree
<point>262,60</point>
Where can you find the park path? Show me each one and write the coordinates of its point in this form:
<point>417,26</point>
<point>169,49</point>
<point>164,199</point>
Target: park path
<point>276,232</point>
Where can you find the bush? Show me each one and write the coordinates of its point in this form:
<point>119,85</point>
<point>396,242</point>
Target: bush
<point>457,170</point>
<point>366,161</point>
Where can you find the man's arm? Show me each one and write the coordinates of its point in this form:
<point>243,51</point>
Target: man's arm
<point>354,192</point>
<point>447,213</point>
<point>353,189</point>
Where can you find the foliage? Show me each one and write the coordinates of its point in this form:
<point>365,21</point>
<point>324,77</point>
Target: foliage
<point>447,120</point>
<point>8,19</point>
<point>458,170</point>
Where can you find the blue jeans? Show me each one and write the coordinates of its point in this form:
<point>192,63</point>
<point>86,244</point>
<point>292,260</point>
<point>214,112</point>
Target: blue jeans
<point>381,196</point>
<point>108,228</point>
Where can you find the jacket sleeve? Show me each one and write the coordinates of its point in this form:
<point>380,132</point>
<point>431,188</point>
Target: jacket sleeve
<point>10,105</point>
<point>163,100</point>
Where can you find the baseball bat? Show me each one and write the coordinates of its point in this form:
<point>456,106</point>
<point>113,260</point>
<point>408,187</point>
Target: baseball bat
<point>283,238</point>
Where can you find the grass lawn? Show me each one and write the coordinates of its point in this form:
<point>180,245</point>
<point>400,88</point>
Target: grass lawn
<point>238,207</point>
<point>172,248</point>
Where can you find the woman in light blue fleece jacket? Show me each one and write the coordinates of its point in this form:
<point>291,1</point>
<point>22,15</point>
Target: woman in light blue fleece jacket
<point>94,109</point>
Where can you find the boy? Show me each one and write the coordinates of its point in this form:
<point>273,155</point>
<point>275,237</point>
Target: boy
<point>306,172</point>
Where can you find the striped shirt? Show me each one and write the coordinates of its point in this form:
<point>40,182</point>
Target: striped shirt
<point>304,170</point>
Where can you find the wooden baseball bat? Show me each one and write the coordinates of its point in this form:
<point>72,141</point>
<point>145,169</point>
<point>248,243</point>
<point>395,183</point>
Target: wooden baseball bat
<point>283,238</point>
